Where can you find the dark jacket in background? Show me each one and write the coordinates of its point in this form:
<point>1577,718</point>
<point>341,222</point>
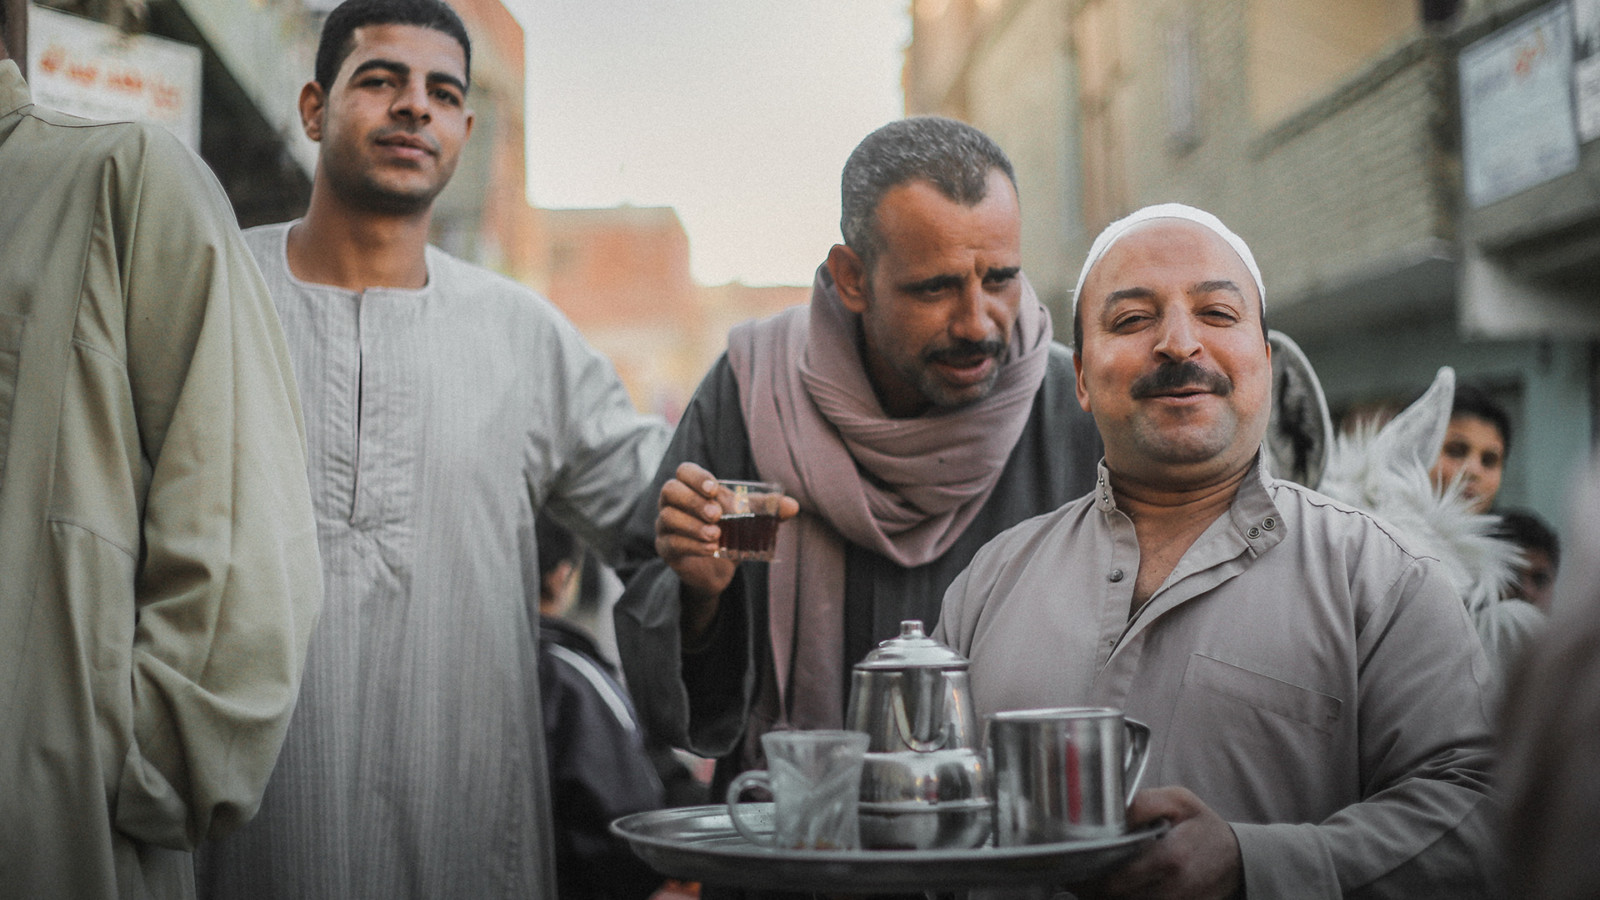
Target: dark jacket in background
<point>599,768</point>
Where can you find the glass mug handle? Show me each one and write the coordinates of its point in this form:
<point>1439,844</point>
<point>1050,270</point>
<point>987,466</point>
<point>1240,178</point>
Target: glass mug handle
<point>752,778</point>
<point>1136,757</point>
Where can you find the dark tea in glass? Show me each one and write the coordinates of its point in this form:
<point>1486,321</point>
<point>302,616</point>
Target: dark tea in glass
<point>749,519</point>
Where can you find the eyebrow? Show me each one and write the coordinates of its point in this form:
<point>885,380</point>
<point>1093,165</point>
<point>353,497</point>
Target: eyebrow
<point>1211,287</point>
<point>403,70</point>
<point>1133,293</point>
<point>936,283</point>
<point>1203,287</point>
<point>940,282</point>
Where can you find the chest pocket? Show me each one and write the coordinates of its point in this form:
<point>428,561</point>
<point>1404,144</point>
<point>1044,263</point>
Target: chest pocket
<point>1208,675</point>
<point>10,365</point>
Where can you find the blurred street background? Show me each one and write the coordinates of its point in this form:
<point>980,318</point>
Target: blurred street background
<point>1418,178</point>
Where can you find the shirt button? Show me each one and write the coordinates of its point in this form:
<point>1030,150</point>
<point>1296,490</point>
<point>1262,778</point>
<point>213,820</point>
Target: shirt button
<point>1269,523</point>
<point>1115,576</point>
<point>1253,533</point>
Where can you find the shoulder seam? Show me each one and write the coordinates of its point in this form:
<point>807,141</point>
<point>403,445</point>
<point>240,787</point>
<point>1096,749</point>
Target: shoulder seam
<point>1313,498</point>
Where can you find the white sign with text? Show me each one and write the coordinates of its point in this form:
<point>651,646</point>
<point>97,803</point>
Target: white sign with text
<point>89,69</point>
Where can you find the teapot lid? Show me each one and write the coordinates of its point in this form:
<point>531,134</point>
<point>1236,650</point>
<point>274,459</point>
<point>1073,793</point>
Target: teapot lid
<point>912,650</point>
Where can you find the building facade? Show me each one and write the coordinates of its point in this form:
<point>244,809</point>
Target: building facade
<point>621,274</point>
<point>1330,136</point>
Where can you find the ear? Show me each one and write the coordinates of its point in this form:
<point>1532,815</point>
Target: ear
<point>1299,429</point>
<point>1418,431</point>
<point>471,117</point>
<point>313,102</point>
<point>555,585</point>
<point>1083,392</point>
<point>849,278</point>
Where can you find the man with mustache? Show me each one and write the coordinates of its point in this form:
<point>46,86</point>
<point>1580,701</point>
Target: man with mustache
<point>914,409</point>
<point>1317,696</point>
<point>445,406</point>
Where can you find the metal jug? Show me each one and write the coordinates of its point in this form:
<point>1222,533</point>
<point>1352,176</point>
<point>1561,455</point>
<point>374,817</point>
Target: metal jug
<point>925,785</point>
<point>1064,774</point>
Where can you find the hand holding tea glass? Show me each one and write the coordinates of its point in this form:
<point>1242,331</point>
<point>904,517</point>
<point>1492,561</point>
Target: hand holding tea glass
<point>696,515</point>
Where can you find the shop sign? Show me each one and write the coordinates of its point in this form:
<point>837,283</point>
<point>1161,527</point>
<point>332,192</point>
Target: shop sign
<point>1586,67</point>
<point>90,69</point>
<point>1518,127</point>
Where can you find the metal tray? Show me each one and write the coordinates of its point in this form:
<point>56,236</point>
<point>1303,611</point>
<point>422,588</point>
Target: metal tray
<point>699,843</point>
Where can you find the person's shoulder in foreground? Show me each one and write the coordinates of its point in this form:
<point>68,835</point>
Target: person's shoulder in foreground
<point>1550,729</point>
<point>155,511</point>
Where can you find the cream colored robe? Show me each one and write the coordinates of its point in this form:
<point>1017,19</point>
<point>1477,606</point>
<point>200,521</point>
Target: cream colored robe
<point>158,559</point>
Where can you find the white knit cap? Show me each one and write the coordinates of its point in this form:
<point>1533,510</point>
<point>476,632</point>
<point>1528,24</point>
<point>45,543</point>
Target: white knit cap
<point>1122,226</point>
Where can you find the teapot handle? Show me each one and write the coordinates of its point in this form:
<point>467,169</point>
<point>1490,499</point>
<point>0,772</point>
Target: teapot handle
<point>902,723</point>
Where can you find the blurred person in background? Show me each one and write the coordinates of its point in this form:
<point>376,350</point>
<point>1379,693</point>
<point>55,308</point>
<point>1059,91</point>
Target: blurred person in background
<point>1541,556</point>
<point>1549,737</point>
<point>1472,459</point>
<point>158,556</point>
<point>1475,447</point>
<point>446,406</point>
<point>599,767</point>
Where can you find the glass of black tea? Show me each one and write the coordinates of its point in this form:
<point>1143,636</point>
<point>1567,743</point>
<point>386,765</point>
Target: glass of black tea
<point>749,520</point>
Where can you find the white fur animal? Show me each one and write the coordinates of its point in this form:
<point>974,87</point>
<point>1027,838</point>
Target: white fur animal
<point>1384,471</point>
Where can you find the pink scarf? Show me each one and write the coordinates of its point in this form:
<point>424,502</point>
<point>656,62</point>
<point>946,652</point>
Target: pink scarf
<point>904,488</point>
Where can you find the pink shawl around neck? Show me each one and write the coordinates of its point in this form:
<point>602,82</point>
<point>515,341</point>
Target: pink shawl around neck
<point>904,488</point>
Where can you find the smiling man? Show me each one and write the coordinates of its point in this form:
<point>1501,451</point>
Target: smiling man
<point>445,406</point>
<point>914,409</point>
<point>1317,697</point>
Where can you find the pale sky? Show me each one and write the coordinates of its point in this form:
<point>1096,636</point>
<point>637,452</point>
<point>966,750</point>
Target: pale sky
<point>738,113</point>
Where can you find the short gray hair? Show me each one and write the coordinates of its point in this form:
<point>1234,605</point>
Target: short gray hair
<point>952,156</point>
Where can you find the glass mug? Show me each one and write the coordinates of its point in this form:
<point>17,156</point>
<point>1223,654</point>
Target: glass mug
<point>749,520</point>
<point>815,781</point>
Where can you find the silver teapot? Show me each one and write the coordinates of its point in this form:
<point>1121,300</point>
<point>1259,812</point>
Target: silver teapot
<point>924,785</point>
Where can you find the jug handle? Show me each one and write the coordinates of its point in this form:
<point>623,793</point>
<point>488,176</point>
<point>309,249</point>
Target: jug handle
<point>903,723</point>
<point>1137,755</point>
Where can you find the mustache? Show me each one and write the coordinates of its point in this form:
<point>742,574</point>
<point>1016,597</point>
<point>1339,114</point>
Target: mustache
<point>1172,377</point>
<point>962,351</point>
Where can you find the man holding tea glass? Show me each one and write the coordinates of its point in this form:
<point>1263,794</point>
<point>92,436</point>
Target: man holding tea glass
<point>915,408</point>
<point>1317,697</point>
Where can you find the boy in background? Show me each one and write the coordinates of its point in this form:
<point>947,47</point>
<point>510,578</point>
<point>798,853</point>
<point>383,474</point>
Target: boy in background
<point>599,766</point>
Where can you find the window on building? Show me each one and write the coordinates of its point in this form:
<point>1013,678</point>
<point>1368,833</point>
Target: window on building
<point>1301,50</point>
<point>1183,87</point>
<point>1101,82</point>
